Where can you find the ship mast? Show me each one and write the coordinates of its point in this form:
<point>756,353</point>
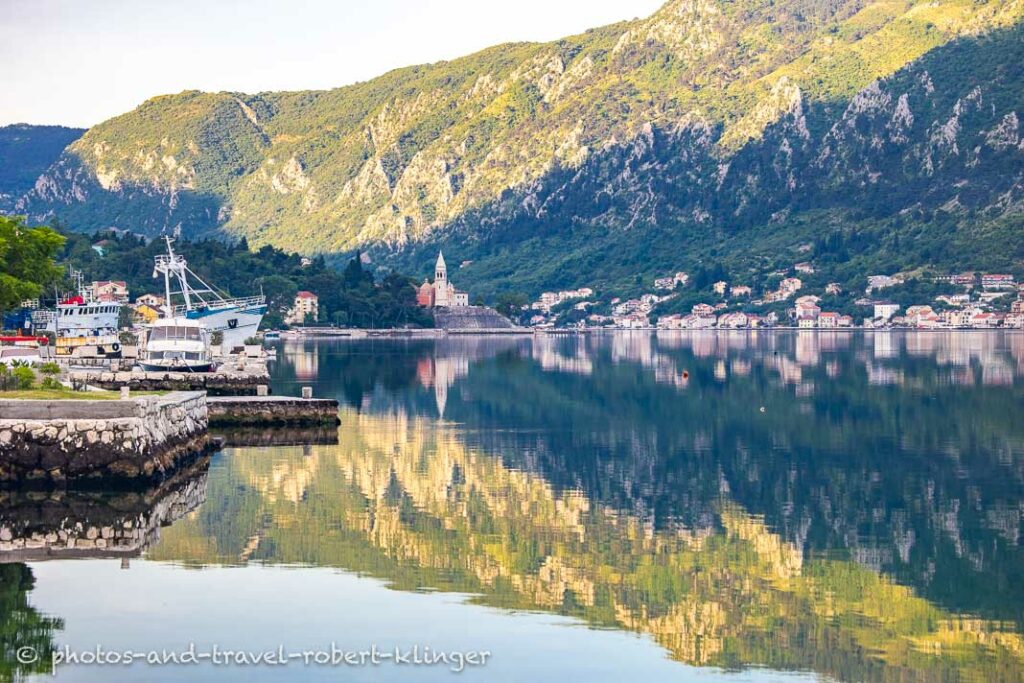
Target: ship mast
<point>172,264</point>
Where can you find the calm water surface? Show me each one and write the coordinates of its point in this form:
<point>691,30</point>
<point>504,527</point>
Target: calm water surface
<point>628,506</point>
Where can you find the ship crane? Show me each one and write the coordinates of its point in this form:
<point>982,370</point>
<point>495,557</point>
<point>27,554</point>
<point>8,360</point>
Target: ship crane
<point>174,266</point>
<point>236,318</point>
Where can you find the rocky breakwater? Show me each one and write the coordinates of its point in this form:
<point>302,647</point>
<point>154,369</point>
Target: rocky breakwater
<point>83,442</point>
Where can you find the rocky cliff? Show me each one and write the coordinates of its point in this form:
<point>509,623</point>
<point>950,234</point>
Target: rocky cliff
<point>26,152</point>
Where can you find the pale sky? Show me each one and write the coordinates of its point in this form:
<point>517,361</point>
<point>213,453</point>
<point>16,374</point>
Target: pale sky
<point>79,62</point>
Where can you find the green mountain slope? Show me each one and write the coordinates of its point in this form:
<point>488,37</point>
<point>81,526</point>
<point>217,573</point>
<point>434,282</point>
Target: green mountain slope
<point>25,153</point>
<point>712,130</point>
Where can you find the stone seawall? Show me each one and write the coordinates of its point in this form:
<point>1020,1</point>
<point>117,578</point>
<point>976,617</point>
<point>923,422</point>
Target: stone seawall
<point>223,382</point>
<point>473,319</point>
<point>81,441</point>
<point>272,410</point>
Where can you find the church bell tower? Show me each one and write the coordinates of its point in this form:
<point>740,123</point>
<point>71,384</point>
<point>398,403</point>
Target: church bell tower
<point>440,270</point>
<point>442,291</point>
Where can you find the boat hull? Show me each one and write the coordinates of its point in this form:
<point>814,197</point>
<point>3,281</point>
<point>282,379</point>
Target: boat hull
<point>234,323</point>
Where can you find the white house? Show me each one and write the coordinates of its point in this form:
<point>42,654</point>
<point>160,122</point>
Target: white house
<point>886,309</point>
<point>306,306</point>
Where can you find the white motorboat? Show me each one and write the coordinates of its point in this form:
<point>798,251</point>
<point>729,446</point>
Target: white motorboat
<point>179,344</point>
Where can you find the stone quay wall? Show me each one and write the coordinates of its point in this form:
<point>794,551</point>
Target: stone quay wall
<point>222,382</point>
<point>478,319</point>
<point>272,410</point>
<point>140,439</point>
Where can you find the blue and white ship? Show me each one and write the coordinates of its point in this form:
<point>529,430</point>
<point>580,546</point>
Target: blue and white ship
<point>237,319</point>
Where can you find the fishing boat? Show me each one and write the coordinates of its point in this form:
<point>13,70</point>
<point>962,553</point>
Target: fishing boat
<point>188,296</point>
<point>180,344</point>
<point>84,327</point>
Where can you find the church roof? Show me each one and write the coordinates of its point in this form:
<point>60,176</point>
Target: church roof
<point>440,260</point>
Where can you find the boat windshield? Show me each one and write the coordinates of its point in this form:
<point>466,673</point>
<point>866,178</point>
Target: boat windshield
<point>174,332</point>
<point>174,355</point>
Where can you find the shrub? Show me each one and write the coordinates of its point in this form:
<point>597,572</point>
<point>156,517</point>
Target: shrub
<point>23,377</point>
<point>50,382</point>
<point>49,369</point>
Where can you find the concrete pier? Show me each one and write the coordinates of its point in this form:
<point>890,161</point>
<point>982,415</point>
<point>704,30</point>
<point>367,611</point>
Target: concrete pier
<point>134,441</point>
<point>223,382</point>
<point>272,410</point>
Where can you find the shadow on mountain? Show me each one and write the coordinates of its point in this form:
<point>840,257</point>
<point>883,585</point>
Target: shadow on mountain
<point>26,152</point>
<point>74,193</point>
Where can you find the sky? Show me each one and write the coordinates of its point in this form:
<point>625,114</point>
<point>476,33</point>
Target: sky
<point>80,62</point>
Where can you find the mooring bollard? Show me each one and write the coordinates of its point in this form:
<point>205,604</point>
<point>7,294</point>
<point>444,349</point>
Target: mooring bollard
<point>262,390</point>
<point>307,392</point>
<point>125,393</point>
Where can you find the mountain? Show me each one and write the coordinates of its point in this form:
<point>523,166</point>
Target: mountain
<point>25,153</point>
<point>880,135</point>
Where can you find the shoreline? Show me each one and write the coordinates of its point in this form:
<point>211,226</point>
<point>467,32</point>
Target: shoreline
<point>430,333</point>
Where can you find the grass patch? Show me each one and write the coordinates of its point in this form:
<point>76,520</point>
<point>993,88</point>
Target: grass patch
<point>56,394</point>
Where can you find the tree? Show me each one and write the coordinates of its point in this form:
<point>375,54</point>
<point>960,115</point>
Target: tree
<point>510,304</point>
<point>280,293</point>
<point>355,275</point>
<point>26,260</point>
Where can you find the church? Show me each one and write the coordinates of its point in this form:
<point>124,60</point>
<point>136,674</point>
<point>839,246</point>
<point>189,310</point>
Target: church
<point>441,293</point>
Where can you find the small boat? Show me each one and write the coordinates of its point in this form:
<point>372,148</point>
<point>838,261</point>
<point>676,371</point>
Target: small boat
<point>272,335</point>
<point>179,344</point>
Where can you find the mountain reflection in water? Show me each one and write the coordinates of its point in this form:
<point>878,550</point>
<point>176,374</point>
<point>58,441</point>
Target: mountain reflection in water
<point>846,504</point>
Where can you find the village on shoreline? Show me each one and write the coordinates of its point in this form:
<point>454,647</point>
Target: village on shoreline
<point>971,301</point>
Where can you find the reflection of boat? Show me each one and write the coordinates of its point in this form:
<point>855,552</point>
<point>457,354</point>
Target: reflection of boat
<point>236,319</point>
<point>177,344</point>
